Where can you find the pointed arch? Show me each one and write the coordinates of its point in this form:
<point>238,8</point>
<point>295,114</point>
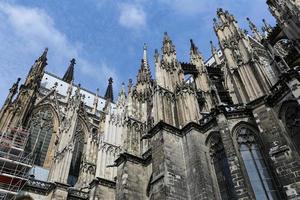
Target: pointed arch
<point>289,114</point>
<point>43,126</point>
<point>223,184</point>
<point>78,156</point>
<point>249,147</point>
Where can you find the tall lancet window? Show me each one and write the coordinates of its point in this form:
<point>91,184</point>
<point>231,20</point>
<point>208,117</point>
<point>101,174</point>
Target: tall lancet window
<point>221,167</point>
<point>77,155</point>
<point>40,130</point>
<point>256,168</point>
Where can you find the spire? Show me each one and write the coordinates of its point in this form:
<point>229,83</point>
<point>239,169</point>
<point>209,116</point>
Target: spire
<point>156,55</point>
<point>109,91</point>
<point>145,55</point>
<point>12,92</point>
<point>267,27</point>
<point>69,75</point>
<point>36,72</point>
<point>144,74</point>
<point>254,30</point>
<point>195,55</point>
<point>129,85</point>
<point>194,49</point>
<point>215,54</point>
<point>43,57</point>
<point>168,47</point>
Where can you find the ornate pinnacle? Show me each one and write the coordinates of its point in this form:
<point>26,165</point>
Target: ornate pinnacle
<point>156,55</point>
<point>213,48</point>
<point>194,49</point>
<point>109,91</point>
<point>266,26</point>
<point>168,46</point>
<point>44,55</point>
<point>251,24</point>
<point>69,75</point>
<point>129,85</point>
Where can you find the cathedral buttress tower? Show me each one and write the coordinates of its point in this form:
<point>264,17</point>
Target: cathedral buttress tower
<point>168,70</point>
<point>202,80</point>
<point>248,75</point>
<point>23,104</point>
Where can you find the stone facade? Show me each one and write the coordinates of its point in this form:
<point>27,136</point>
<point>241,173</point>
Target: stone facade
<point>225,128</point>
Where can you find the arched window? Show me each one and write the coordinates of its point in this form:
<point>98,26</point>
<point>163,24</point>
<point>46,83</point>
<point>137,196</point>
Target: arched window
<point>77,155</point>
<point>291,116</point>
<point>257,171</point>
<point>40,129</point>
<point>221,167</point>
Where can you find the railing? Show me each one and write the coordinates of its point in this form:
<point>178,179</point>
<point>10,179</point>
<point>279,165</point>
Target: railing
<point>41,186</point>
<point>77,193</point>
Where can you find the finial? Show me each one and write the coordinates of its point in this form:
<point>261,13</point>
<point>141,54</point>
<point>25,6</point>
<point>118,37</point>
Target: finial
<point>44,55</point>
<point>110,80</point>
<point>220,11</point>
<point>73,61</point>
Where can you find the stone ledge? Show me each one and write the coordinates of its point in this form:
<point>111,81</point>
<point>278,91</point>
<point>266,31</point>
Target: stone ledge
<point>132,158</point>
<point>103,182</point>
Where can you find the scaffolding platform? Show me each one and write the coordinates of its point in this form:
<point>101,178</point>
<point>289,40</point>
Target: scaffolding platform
<point>15,162</point>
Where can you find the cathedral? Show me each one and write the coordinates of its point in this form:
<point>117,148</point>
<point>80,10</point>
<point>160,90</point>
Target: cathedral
<point>222,128</point>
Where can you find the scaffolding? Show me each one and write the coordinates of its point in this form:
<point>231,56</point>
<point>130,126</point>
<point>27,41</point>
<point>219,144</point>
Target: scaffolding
<point>15,162</point>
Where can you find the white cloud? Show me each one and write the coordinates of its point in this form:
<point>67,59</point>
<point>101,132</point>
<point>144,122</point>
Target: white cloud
<point>24,33</point>
<point>132,16</point>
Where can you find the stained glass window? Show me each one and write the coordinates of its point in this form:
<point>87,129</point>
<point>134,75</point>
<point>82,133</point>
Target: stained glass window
<point>77,155</point>
<point>40,129</point>
<point>221,167</point>
<point>256,168</point>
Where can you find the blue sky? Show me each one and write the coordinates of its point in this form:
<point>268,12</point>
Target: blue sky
<point>106,36</point>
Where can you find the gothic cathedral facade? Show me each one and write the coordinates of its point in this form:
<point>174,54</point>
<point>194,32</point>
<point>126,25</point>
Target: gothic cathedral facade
<point>223,128</point>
